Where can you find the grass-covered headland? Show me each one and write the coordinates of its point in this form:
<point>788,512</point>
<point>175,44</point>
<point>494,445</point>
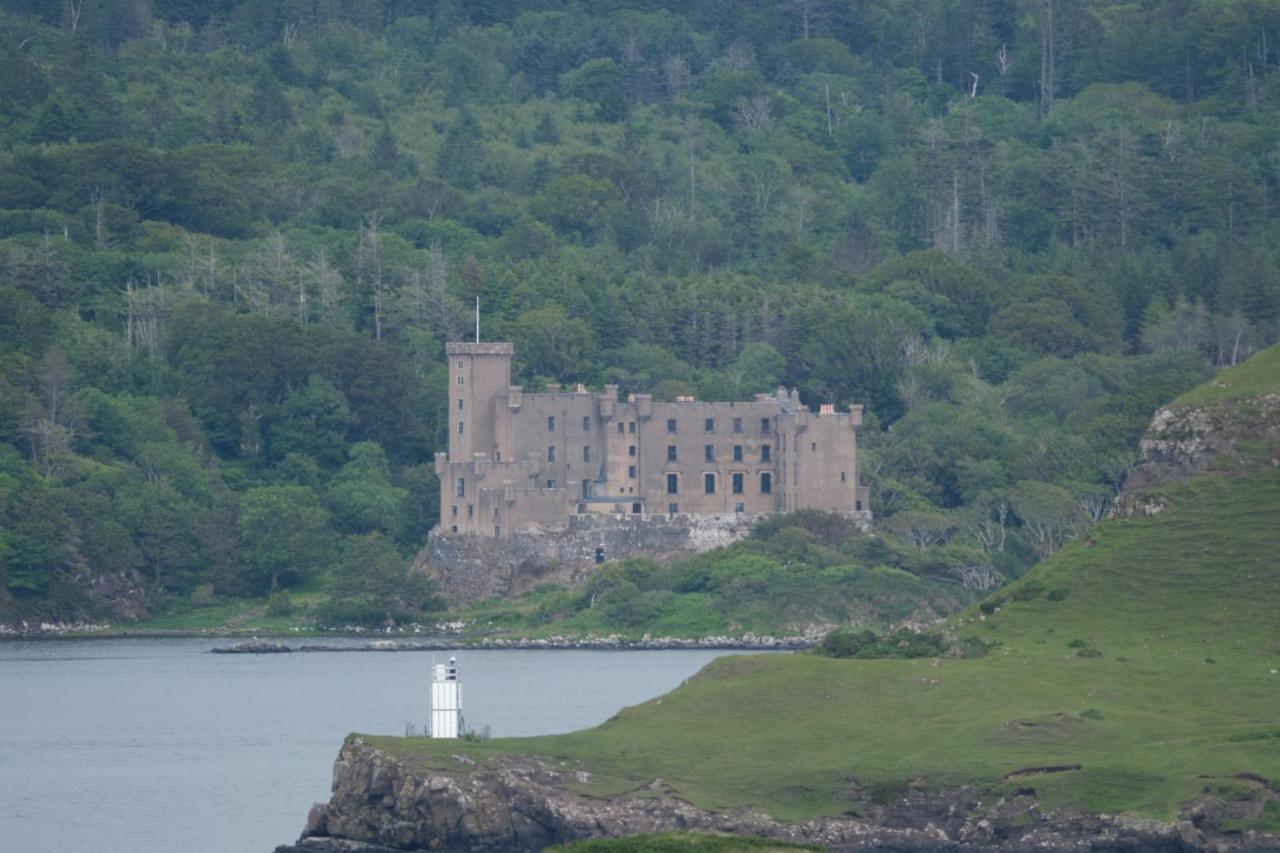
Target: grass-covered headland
<point>1141,661</point>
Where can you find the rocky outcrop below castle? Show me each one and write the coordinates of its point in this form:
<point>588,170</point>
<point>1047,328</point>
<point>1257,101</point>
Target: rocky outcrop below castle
<point>381,803</point>
<point>1184,441</point>
<point>472,568</point>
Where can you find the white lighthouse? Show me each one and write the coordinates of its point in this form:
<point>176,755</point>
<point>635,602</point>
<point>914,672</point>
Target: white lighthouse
<point>446,700</point>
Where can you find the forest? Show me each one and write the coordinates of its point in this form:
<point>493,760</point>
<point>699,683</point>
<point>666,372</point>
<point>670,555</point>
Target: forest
<point>235,234</point>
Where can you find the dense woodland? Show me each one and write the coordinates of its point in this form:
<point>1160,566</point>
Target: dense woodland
<point>234,236</point>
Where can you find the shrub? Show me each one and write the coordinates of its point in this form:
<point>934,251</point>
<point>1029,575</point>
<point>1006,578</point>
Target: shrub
<point>1091,714</point>
<point>279,604</point>
<point>1089,653</point>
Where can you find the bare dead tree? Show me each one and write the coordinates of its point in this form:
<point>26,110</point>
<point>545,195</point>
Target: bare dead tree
<point>754,113</point>
<point>1048,68</point>
<point>98,201</point>
<point>369,267</point>
<point>74,9</point>
<point>1003,60</point>
<point>678,75</point>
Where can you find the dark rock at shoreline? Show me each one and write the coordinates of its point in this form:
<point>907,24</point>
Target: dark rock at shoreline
<point>521,803</point>
<point>253,647</point>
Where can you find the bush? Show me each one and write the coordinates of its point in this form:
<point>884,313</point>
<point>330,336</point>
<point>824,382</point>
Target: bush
<point>204,595</point>
<point>1089,653</point>
<point>279,605</point>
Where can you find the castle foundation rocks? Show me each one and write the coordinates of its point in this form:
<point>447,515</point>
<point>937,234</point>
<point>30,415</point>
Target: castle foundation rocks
<point>469,568</point>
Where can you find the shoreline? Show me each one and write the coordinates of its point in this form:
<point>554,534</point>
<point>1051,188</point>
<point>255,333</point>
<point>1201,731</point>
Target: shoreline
<point>275,642</point>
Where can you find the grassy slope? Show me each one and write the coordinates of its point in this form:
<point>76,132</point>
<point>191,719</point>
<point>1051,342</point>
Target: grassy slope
<point>1259,375</point>
<point>1183,609</point>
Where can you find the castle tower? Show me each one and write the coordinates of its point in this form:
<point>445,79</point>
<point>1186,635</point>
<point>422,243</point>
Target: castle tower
<point>478,374</point>
<point>446,700</point>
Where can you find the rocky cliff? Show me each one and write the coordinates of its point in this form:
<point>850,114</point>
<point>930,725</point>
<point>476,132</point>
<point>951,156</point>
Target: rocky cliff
<point>446,801</point>
<point>1186,440</point>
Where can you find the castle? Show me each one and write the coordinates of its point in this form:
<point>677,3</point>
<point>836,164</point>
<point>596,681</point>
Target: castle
<point>522,462</point>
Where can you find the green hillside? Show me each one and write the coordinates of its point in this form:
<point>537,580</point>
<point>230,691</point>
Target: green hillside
<point>235,235</point>
<point>1147,653</point>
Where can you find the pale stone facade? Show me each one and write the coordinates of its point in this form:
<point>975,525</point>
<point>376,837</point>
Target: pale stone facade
<point>531,462</point>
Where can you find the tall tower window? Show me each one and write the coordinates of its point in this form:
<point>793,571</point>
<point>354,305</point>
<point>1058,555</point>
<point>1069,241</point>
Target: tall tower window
<point>765,452</point>
<point>460,380</point>
<point>462,487</point>
<point>551,453</point>
<point>671,453</point>
<point>461,427</point>
<point>586,453</point>
<point>631,471</point>
<point>459,404</point>
<point>709,452</point>
<point>711,424</point>
<point>631,450</point>
<point>737,483</point>
<point>737,424</point>
<point>764,425</point>
<point>551,424</point>
<point>671,424</point>
<point>709,483</point>
<point>766,483</point>
<point>586,424</point>
<point>673,484</point>
<point>737,453</point>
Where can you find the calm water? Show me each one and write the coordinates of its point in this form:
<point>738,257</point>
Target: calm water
<point>154,745</point>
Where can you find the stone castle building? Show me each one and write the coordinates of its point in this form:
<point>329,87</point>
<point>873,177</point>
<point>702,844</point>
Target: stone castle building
<point>522,464</point>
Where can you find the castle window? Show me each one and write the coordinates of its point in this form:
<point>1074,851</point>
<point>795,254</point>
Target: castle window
<point>586,489</point>
<point>551,453</point>
<point>454,510</point>
<point>461,426</point>
<point>737,483</point>
<point>671,453</point>
<point>586,424</point>
<point>764,425</point>
<point>635,508</point>
<point>631,427</point>
<point>621,427</point>
<point>709,483</point>
<point>586,454</point>
<point>497,532</point>
<point>460,363</point>
<point>459,382</point>
<point>709,452</point>
<point>454,528</point>
<point>673,484</point>
<point>471,510</point>
<point>765,452</point>
<point>766,483</point>
<point>737,424</point>
<point>711,424</point>
<point>462,487</point>
<point>739,507</point>
<point>671,424</point>
<point>631,451</point>
<point>813,445</point>
<point>737,453</point>
<point>672,509</point>
<point>631,471</point>
<point>842,478</point>
<point>459,404</point>
<point>551,424</point>
<point>551,484</point>
<point>857,505</point>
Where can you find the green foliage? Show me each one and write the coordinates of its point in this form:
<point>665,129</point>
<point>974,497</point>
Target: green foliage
<point>250,252</point>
